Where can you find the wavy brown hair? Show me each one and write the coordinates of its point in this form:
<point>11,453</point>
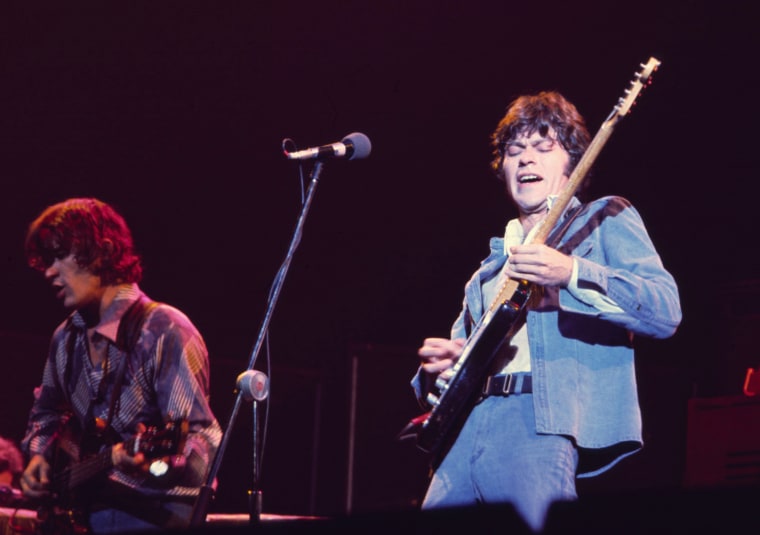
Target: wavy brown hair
<point>93,231</point>
<point>540,113</point>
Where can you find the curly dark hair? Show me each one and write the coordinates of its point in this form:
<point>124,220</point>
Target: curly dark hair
<point>539,113</point>
<point>90,229</point>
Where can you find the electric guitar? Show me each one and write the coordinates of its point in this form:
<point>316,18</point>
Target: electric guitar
<point>75,475</point>
<point>451,400</point>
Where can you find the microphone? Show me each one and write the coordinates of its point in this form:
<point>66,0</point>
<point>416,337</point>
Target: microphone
<point>354,146</point>
<point>253,384</point>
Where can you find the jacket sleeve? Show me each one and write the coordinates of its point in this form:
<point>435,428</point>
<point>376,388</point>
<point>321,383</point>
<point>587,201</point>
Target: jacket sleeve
<point>49,405</point>
<point>182,388</point>
<point>617,258</point>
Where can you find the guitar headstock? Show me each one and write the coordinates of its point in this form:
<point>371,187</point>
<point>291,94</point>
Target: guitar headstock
<point>161,441</point>
<point>641,79</point>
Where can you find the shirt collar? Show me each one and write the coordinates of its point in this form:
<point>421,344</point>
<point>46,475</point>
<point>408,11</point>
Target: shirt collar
<point>109,322</point>
<point>514,233</point>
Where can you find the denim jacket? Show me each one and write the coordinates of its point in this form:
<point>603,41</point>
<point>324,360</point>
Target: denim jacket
<point>582,359</point>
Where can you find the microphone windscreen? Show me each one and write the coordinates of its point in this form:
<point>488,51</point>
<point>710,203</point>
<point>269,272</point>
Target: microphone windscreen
<point>361,144</point>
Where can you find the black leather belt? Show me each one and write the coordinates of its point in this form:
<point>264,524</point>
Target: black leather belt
<point>508,384</point>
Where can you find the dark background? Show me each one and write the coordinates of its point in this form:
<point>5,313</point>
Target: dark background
<point>174,112</point>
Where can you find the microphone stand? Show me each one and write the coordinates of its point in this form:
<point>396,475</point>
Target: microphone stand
<point>206,491</point>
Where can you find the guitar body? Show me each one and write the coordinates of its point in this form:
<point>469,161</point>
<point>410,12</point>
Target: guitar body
<point>81,463</point>
<point>457,397</point>
<point>65,512</point>
<point>54,519</point>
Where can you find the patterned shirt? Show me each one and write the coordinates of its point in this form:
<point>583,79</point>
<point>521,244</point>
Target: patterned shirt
<point>166,378</point>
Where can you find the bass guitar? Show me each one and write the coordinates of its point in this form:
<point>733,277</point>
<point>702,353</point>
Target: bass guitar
<point>75,474</point>
<point>451,399</point>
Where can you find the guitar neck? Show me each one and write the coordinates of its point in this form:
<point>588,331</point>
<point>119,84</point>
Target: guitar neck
<point>81,472</point>
<point>574,182</point>
<point>152,443</point>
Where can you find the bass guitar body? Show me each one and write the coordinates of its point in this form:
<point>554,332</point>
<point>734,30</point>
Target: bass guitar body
<point>81,464</point>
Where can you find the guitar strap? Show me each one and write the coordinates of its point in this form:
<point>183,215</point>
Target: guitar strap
<point>557,234</point>
<point>127,335</point>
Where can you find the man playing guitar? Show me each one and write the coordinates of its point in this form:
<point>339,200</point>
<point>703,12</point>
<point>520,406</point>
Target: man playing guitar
<point>559,398</point>
<point>120,367</point>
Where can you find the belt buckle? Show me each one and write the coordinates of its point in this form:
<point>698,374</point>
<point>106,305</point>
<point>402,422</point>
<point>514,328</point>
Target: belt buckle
<point>507,385</point>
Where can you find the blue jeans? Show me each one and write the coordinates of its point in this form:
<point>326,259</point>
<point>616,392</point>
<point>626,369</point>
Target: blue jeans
<point>499,458</point>
<point>117,521</point>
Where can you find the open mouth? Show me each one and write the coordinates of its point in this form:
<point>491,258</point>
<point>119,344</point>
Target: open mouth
<point>527,179</point>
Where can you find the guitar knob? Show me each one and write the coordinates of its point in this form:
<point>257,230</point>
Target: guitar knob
<point>432,399</point>
<point>159,468</point>
<point>441,383</point>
